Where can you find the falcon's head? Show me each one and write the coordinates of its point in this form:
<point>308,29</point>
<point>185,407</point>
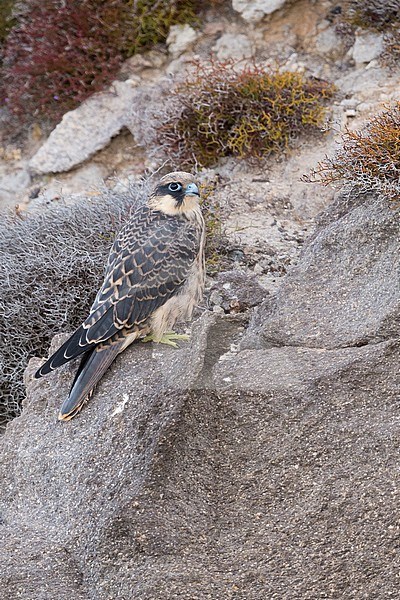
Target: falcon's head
<point>175,193</point>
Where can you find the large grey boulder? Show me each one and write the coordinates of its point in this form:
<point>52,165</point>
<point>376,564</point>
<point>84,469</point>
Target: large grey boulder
<point>368,46</point>
<point>345,291</point>
<point>214,472</point>
<point>85,130</point>
<point>202,473</point>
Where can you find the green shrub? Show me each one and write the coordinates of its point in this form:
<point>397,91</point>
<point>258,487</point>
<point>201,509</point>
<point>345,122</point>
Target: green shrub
<point>369,159</point>
<point>220,112</point>
<point>147,22</point>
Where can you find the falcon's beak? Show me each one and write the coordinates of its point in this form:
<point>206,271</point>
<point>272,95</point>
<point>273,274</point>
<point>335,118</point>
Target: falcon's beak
<point>192,190</point>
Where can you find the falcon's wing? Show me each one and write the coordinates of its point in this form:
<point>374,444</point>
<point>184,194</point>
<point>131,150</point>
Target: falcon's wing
<point>149,261</point>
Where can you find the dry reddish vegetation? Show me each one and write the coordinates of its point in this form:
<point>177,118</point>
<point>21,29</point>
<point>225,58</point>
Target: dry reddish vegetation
<point>219,112</point>
<point>53,72</point>
<point>80,48</point>
<point>368,160</point>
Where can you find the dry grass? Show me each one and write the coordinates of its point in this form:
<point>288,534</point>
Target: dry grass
<point>369,159</point>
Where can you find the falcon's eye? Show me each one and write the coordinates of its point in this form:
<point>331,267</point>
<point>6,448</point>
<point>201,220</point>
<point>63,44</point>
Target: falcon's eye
<point>174,187</point>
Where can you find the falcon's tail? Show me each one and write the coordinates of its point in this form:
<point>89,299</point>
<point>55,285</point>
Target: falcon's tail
<point>73,347</point>
<point>92,368</point>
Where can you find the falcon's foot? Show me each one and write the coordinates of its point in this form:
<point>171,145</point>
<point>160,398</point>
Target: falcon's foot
<point>170,338</point>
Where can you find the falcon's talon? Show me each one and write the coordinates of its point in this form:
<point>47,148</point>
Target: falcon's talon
<point>167,338</point>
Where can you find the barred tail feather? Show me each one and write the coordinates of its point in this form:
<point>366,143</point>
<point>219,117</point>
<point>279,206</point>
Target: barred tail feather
<point>93,366</point>
<point>73,347</point>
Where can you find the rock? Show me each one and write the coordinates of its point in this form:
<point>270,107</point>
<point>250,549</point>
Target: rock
<point>366,86</point>
<point>234,46</point>
<point>367,47</point>
<point>37,570</point>
<point>207,472</point>
<point>255,10</point>
<point>180,39</point>
<point>140,120</point>
<point>349,103</point>
<point>343,292</point>
<point>13,184</point>
<point>293,64</point>
<point>213,28</point>
<point>86,179</point>
<point>85,130</point>
<point>236,291</point>
<point>329,43</point>
<point>136,64</point>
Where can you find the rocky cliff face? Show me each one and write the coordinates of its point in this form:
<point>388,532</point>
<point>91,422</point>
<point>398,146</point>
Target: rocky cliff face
<point>252,463</point>
<point>260,460</point>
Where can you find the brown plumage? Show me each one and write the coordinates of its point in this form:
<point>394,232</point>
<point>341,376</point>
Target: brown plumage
<point>154,278</point>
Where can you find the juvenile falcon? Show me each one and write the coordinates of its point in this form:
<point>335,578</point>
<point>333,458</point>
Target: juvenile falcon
<point>154,277</point>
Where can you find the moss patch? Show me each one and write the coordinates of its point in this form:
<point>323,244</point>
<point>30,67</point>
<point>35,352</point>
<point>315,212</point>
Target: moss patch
<point>6,20</point>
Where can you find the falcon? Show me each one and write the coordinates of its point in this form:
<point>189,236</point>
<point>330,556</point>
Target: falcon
<point>154,278</point>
